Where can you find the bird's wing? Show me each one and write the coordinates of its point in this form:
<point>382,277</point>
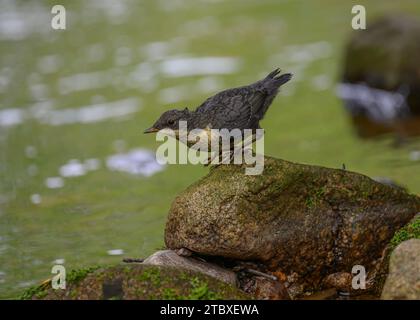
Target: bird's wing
<point>236,108</point>
<point>220,98</point>
<point>257,96</point>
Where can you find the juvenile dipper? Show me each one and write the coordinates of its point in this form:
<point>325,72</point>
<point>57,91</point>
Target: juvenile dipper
<point>237,108</point>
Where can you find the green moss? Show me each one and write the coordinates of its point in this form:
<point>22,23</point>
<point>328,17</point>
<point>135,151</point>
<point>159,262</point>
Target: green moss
<point>41,291</point>
<point>38,291</point>
<point>140,282</point>
<point>170,294</point>
<point>76,275</point>
<point>315,198</point>
<point>152,275</point>
<point>201,291</point>
<point>410,231</point>
<point>73,294</point>
<point>196,289</point>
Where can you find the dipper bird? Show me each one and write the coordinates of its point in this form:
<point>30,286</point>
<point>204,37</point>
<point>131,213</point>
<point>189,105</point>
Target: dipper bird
<point>236,108</point>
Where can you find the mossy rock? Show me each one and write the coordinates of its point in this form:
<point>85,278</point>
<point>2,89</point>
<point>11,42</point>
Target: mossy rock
<point>304,221</point>
<point>384,56</point>
<point>410,231</point>
<point>136,282</point>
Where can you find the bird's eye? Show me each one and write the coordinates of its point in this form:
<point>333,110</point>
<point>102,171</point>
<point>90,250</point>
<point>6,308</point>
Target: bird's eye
<point>171,122</point>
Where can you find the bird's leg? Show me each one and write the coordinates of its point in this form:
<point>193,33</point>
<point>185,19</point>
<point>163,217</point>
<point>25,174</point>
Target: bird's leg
<point>218,155</point>
<point>241,147</point>
<point>212,157</point>
<point>231,152</point>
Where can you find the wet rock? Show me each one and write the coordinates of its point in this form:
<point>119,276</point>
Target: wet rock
<point>411,230</point>
<point>137,282</point>
<point>381,79</point>
<point>322,295</point>
<point>267,289</point>
<point>303,221</point>
<point>339,280</point>
<point>403,281</point>
<point>172,259</point>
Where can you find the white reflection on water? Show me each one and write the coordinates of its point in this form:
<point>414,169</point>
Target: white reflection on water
<point>116,11</point>
<point>415,155</point>
<point>115,252</point>
<point>36,198</point>
<point>321,82</point>
<point>44,113</point>
<point>95,52</point>
<point>181,67</point>
<point>209,84</point>
<point>143,76</point>
<point>92,164</point>
<point>123,56</point>
<point>85,81</point>
<point>183,92</point>
<point>93,113</point>
<point>6,74</point>
<point>75,168</point>
<point>59,261</point>
<point>54,182</point>
<point>49,64</point>
<point>200,27</point>
<point>137,161</point>
<point>19,20</point>
<point>174,94</point>
<point>32,170</point>
<point>72,169</point>
<point>376,104</point>
<point>156,50</point>
<point>2,277</point>
<point>11,117</point>
<point>30,151</point>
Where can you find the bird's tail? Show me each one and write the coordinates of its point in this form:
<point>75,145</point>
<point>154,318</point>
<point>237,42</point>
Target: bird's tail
<point>274,80</point>
<point>270,85</point>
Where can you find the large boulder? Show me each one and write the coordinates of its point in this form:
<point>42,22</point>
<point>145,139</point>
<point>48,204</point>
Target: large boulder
<point>381,77</point>
<point>299,221</point>
<point>136,282</point>
<point>403,281</point>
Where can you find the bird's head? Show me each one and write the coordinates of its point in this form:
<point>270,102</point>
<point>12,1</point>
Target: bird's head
<point>169,120</point>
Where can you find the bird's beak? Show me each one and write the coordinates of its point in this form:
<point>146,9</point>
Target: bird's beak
<point>151,130</point>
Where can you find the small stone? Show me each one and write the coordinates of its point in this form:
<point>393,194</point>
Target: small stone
<point>267,289</point>
<point>171,258</point>
<point>339,280</point>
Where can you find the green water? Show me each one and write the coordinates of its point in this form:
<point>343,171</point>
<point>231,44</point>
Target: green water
<point>116,50</point>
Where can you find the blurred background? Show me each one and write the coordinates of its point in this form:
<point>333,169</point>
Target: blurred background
<point>79,184</point>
